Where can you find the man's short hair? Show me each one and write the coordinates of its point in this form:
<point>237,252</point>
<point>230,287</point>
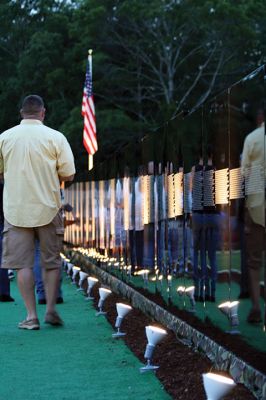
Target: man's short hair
<point>32,104</point>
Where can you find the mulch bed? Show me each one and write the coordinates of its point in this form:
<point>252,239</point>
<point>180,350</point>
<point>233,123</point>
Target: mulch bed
<point>181,368</point>
<point>234,343</point>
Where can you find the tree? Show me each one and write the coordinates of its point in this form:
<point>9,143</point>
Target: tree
<point>152,60</point>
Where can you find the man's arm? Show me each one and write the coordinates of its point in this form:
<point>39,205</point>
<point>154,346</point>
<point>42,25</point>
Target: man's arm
<point>66,178</point>
<point>65,161</point>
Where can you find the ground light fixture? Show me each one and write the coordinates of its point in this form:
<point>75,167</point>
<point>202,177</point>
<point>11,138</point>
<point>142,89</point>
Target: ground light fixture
<point>217,386</point>
<point>169,288</point>
<point>91,282</point>
<point>122,311</point>
<point>230,309</point>
<point>104,293</point>
<point>190,293</point>
<point>154,336</point>
<point>75,271</point>
<point>82,276</point>
<point>145,275</point>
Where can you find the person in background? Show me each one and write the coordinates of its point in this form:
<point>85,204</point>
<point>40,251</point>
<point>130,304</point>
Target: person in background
<point>4,278</point>
<point>39,285</point>
<point>198,228</point>
<point>139,226</point>
<point>244,280</point>
<point>34,159</point>
<point>212,227</point>
<point>253,170</point>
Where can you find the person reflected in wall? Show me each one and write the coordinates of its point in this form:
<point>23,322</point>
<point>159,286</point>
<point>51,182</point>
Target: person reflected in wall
<point>244,279</point>
<point>4,278</point>
<point>148,232</point>
<point>212,227</point>
<point>161,231</point>
<point>184,234</point>
<point>139,223</point>
<point>253,170</point>
<point>199,245</point>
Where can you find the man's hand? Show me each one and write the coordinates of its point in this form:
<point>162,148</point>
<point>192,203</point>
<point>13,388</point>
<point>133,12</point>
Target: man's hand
<point>66,178</point>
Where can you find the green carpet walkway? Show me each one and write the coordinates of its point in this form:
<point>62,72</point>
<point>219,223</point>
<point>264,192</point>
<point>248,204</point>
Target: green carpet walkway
<point>80,361</point>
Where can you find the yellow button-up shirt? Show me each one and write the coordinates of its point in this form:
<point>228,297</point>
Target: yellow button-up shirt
<point>32,157</point>
<point>253,167</point>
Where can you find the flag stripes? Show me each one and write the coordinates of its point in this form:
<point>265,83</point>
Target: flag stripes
<point>88,112</point>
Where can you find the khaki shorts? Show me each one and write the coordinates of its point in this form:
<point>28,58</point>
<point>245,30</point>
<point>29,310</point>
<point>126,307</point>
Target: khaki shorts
<point>19,244</point>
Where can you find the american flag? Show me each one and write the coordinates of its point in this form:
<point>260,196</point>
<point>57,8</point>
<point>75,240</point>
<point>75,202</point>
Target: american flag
<point>88,112</point>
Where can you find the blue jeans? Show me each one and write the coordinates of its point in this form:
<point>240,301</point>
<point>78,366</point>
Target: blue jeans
<point>4,281</point>
<point>185,243</point>
<point>132,247</point>
<point>199,241</point>
<point>212,232</point>
<point>38,275</point>
<point>139,248</point>
<point>173,241</point>
<point>149,249</point>
<point>160,244</point>
<point>244,284</point>
<point>188,242</point>
<point>170,254</point>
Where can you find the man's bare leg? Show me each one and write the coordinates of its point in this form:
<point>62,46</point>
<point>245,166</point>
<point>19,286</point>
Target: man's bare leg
<point>26,284</point>
<point>51,279</point>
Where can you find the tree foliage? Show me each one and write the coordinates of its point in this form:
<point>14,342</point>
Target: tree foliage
<point>152,59</point>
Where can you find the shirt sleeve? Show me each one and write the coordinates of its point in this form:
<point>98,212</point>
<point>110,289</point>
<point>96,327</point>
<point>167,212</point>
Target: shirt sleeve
<point>245,161</point>
<point>1,161</point>
<point>65,159</point>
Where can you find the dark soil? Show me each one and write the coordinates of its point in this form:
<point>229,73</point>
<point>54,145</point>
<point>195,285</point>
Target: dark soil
<point>180,367</point>
<point>234,343</point>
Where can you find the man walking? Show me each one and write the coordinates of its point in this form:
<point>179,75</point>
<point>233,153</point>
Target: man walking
<point>34,159</point>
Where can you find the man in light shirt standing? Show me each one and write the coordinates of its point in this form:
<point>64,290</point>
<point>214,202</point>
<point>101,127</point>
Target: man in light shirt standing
<point>34,159</point>
<point>253,169</point>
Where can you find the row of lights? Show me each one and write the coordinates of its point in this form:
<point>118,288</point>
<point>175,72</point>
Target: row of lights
<point>216,386</point>
<point>230,309</point>
<point>153,333</point>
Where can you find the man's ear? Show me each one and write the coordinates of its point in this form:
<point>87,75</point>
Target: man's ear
<point>43,113</point>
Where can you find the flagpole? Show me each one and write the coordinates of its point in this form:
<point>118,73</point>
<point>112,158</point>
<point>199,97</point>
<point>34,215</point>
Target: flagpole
<point>90,156</point>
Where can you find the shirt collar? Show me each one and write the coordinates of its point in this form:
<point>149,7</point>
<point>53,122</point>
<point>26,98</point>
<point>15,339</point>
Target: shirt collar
<point>31,121</point>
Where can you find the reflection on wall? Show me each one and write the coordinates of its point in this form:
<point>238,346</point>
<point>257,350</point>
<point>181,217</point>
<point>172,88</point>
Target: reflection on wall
<point>192,218</point>
<point>236,184</point>
<point>210,188</point>
<point>222,186</point>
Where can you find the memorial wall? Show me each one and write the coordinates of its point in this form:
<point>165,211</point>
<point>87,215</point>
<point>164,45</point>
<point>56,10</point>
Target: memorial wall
<point>196,207</point>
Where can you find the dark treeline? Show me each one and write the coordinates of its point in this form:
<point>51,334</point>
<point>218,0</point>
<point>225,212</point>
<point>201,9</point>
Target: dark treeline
<point>152,60</point>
